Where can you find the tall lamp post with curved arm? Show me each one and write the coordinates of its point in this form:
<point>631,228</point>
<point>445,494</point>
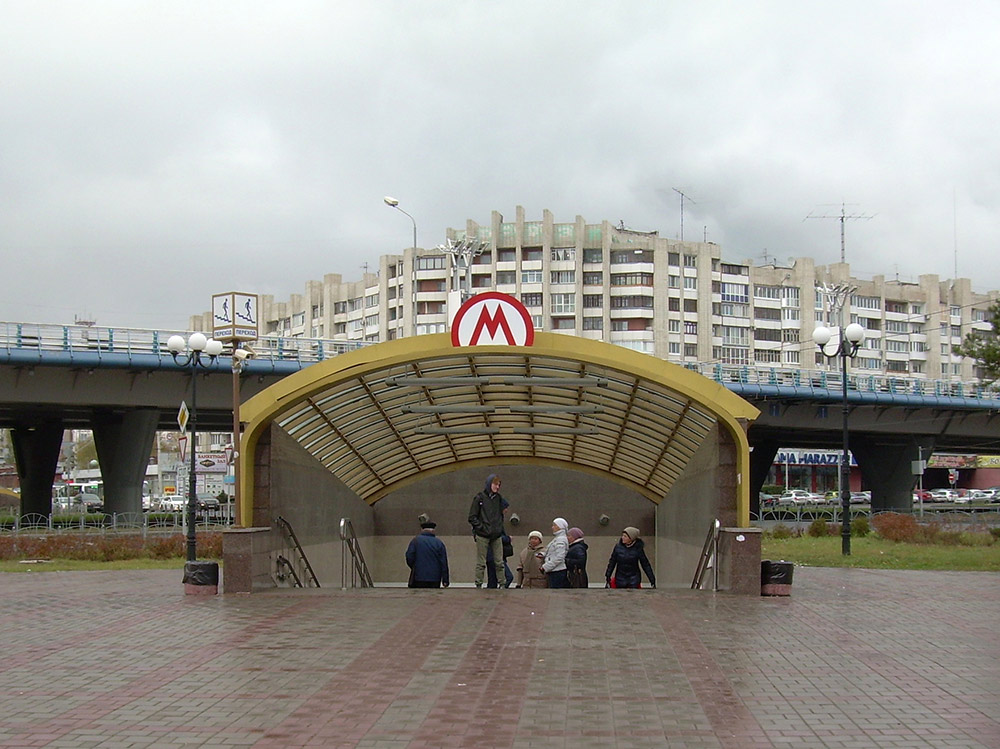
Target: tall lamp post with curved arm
<point>847,343</point>
<point>201,354</point>
<point>393,203</point>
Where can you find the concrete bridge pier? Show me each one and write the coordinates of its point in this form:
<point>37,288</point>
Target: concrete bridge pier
<point>36,452</point>
<point>761,458</point>
<point>124,441</point>
<point>886,464</point>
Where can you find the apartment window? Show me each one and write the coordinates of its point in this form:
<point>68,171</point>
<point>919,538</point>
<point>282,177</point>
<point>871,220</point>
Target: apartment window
<point>536,322</point>
<point>391,292</point>
<point>767,357</point>
<point>789,296</point>
<point>690,328</point>
<point>430,308</point>
<point>506,277</point>
<point>690,305</point>
<point>690,261</point>
<point>955,311</point>
<point>483,258</point>
<point>732,335</point>
<point>899,347</point>
<point>735,270</point>
<point>789,313</point>
<point>896,366</point>
<point>956,331</point>
<point>766,313</point>
<point>690,282</point>
<point>529,254</point>
<point>731,310</point>
<point>674,282</point>
<point>631,279</point>
<point>674,258</point>
<point>766,334</point>
<point>479,281</point>
<point>506,256</point>
<point>340,327</point>
<point>917,327</point>
<point>790,357</point>
<point>626,257</point>
<point>371,300</point>
<point>766,292</point>
<point>898,307</point>
<point>339,308</point>
<point>735,292</point>
<point>371,321</point>
<point>731,355</point>
<point>431,262</point>
<point>299,318</point>
<point>562,276</point>
<point>632,301</point>
<point>866,302</point>
<point>430,328</point>
<point>593,323</point>
<point>593,278</point>
<point>690,349</point>
<point>674,304</point>
<point>593,301</point>
<point>674,348</point>
<point>896,326</point>
<point>593,255</point>
<point>979,315</point>
<point>563,303</point>
<point>563,323</point>
<point>317,311</point>
<point>674,326</point>
<point>563,253</point>
<point>531,300</point>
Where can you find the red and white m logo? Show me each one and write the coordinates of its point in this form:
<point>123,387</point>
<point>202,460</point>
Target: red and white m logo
<point>492,319</point>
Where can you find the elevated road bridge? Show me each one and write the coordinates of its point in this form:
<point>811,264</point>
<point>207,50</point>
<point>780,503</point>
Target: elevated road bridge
<point>124,384</point>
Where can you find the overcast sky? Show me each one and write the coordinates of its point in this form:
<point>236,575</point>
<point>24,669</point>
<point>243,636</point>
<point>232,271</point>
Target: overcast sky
<point>155,153</point>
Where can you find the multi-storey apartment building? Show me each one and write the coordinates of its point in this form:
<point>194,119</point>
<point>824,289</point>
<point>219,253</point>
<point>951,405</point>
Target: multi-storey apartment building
<point>676,300</point>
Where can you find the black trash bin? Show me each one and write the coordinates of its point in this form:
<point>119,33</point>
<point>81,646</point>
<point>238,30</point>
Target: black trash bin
<point>776,578</point>
<point>201,578</point>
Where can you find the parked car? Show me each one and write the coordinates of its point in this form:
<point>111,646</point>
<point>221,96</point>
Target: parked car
<point>768,500</point>
<point>82,502</point>
<point>944,495</point>
<point>173,503</point>
<point>800,497</point>
<point>861,498</point>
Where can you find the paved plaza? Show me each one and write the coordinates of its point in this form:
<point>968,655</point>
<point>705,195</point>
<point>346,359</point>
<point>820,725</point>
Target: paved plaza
<point>855,658</point>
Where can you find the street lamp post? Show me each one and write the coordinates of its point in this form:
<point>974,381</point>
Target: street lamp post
<point>393,203</point>
<point>240,358</point>
<point>201,354</point>
<point>848,341</point>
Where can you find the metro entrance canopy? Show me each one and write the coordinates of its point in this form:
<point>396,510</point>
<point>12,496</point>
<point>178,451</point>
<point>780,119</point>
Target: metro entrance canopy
<point>387,415</point>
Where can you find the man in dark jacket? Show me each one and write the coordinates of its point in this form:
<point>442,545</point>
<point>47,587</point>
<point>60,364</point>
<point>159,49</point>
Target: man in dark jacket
<point>486,519</point>
<point>427,559</point>
<point>628,555</point>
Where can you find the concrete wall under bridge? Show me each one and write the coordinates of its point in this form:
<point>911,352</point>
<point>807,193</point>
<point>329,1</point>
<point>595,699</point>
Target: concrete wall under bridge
<point>577,428</point>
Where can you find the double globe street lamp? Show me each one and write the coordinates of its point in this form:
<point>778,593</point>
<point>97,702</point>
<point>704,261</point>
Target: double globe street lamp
<point>847,341</point>
<point>201,354</point>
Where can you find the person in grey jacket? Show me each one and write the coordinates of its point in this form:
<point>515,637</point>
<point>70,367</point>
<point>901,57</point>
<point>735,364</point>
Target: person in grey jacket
<point>554,565</point>
<point>486,519</point>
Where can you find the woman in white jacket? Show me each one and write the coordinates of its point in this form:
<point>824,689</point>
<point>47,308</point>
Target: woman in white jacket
<point>554,565</point>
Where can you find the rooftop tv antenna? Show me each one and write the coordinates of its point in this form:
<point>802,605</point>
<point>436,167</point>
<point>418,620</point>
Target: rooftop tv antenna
<point>843,218</point>
<point>683,198</point>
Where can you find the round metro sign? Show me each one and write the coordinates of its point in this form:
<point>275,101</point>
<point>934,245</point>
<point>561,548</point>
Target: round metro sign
<point>492,319</point>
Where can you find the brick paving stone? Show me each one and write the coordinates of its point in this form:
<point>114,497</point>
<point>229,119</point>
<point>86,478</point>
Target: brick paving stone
<point>852,659</point>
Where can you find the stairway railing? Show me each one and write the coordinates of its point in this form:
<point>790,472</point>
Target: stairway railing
<point>297,547</point>
<point>358,568</point>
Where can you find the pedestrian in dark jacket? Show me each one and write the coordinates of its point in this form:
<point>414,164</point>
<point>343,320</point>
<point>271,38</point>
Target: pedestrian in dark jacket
<point>427,559</point>
<point>486,519</point>
<point>491,575</point>
<point>576,559</point>
<point>626,558</point>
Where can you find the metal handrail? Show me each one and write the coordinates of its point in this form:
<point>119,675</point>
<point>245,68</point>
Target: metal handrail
<point>287,527</point>
<point>709,558</point>
<point>281,561</point>
<point>359,569</point>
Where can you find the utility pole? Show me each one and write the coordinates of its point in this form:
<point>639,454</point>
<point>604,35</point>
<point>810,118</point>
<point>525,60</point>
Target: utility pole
<point>843,217</point>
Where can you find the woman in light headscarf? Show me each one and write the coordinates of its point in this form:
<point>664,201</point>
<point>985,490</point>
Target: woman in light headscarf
<point>554,565</point>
